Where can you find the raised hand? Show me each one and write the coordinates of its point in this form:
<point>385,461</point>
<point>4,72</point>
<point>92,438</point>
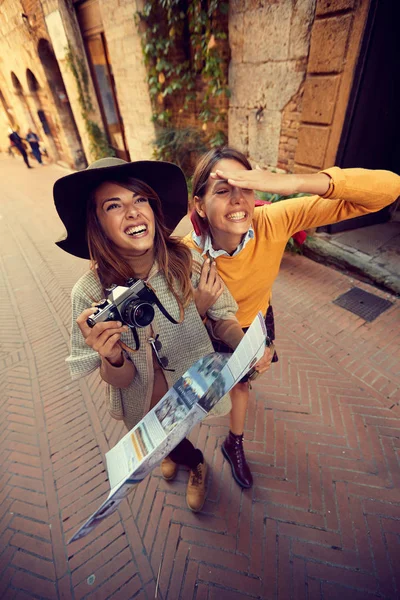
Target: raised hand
<point>285,184</point>
<point>209,289</point>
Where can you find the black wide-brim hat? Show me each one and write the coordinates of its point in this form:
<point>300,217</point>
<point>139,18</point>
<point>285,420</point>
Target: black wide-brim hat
<point>72,193</point>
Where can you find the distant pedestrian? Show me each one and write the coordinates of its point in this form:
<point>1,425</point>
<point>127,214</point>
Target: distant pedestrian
<point>18,143</point>
<point>10,149</point>
<point>33,140</point>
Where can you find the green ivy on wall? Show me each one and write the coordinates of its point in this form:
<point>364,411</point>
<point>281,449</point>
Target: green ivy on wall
<point>99,146</point>
<point>183,45</point>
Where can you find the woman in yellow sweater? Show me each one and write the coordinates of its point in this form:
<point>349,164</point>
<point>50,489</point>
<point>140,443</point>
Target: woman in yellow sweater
<point>248,243</point>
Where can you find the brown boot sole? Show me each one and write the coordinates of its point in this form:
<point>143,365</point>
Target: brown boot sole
<point>196,510</point>
<point>171,477</point>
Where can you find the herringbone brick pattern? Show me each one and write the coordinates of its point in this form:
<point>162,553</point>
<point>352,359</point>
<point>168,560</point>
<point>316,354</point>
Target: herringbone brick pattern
<point>322,437</point>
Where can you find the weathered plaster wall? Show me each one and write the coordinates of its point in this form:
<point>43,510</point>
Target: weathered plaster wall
<point>22,26</point>
<point>291,73</point>
<point>269,43</point>
<point>125,50</point>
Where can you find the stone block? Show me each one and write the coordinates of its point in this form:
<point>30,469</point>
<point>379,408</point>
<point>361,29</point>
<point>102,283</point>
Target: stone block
<point>256,4</point>
<point>236,6</point>
<point>325,7</point>
<point>304,170</point>
<point>236,36</point>
<point>291,144</point>
<point>319,99</point>
<point>312,144</point>
<point>328,44</point>
<point>238,134</point>
<point>267,32</point>
<point>270,85</point>
<point>300,32</point>
<point>49,6</point>
<point>264,134</point>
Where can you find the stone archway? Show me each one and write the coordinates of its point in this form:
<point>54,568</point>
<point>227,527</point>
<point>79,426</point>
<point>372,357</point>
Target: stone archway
<point>26,111</point>
<point>8,113</point>
<point>65,116</point>
<point>36,95</point>
<point>32,82</point>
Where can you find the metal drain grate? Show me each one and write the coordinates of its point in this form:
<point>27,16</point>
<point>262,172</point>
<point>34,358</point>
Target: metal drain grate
<point>361,303</point>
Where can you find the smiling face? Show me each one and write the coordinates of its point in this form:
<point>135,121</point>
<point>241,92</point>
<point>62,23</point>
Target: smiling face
<point>126,218</point>
<point>228,209</point>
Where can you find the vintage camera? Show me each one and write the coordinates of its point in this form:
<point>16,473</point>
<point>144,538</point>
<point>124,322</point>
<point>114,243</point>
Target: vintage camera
<point>132,304</point>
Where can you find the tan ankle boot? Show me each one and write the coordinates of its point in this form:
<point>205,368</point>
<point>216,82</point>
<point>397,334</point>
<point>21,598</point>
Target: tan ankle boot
<point>196,488</point>
<point>169,468</point>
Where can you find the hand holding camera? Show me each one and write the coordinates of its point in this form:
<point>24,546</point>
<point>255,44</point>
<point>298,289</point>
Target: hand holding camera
<point>104,337</point>
<point>132,305</point>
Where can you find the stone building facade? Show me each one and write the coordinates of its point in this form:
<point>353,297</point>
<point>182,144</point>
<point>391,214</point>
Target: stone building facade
<point>291,72</point>
<point>32,89</point>
<point>38,89</point>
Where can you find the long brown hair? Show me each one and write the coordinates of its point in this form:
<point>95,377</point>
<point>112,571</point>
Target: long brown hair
<point>173,257</point>
<point>204,167</point>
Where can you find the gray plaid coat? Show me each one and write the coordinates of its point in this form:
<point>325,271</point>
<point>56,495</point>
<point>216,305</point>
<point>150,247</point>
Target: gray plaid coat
<point>182,344</point>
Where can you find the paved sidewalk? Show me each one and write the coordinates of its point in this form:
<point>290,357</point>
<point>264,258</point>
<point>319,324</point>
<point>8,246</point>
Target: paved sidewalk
<point>322,435</point>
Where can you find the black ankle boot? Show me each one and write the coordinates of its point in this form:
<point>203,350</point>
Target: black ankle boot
<point>232,449</point>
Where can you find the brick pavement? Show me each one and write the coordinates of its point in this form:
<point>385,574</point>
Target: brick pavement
<point>322,434</point>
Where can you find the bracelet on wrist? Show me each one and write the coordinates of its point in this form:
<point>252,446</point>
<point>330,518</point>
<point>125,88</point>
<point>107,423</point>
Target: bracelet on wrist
<point>331,188</point>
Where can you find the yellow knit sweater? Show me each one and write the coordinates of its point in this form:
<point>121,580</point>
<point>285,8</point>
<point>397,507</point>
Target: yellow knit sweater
<point>250,274</point>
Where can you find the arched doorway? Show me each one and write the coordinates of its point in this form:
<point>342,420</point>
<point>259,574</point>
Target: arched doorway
<point>26,111</point>
<point>32,82</point>
<point>42,127</point>
<point>64,112</point>
<point>8,113</point>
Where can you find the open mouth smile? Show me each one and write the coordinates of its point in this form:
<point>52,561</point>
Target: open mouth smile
<point>137,230</point>
<point>237,216</point>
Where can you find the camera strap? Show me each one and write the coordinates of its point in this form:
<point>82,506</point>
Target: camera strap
<point>137,342</point>
<point>164,310</point>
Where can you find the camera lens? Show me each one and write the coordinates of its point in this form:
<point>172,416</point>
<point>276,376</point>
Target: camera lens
<point>138,314</point>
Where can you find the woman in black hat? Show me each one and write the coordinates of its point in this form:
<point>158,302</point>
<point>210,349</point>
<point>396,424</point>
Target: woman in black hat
<point>119,215</point>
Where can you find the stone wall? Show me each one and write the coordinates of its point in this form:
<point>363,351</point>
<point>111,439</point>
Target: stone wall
<point>14,33</point>
<point>269,42</point>
<point>64,30</point>
<point>289,133</point>
<point>22,26</point>
<point>291,74</point>
<point>125,50</point>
